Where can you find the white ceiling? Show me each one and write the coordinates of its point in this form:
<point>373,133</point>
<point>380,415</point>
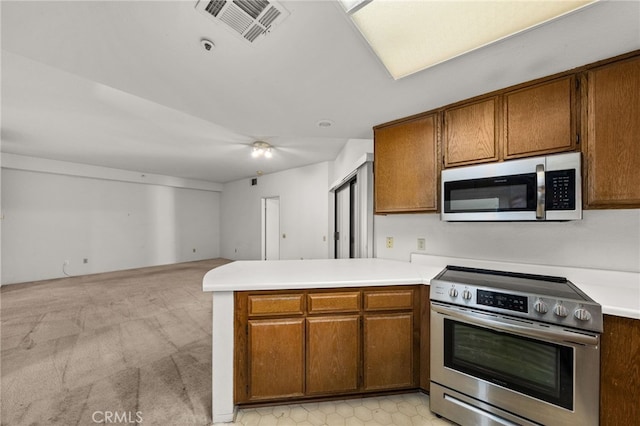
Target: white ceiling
<point>126,84</point>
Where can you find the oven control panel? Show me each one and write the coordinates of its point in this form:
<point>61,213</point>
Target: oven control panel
<point>469,288</point>
<point>534,307</point>
<point>506,301</point>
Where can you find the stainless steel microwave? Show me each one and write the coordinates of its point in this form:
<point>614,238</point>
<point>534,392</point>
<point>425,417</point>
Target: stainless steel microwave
<point>530,189</point>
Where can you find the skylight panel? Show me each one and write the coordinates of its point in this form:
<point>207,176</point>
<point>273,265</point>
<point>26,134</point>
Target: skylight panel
<point>410,36</point>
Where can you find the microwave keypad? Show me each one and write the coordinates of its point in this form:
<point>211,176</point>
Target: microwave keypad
<point>560,190</point>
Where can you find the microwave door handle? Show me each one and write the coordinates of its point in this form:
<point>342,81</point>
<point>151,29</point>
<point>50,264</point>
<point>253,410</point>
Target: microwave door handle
<point>540,192</point>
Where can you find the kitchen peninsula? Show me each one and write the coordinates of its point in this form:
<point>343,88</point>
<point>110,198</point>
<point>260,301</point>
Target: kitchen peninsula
<point>298,277</point>
<point>265,299</point>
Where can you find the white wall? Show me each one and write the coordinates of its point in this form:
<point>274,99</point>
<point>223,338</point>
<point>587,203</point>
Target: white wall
<point>604,239</point>
<point>304,213</point>
<point>355,153</point>
<point>50,218</point>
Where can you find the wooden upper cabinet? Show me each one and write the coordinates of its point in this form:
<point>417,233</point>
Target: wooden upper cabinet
<point>612,145</point>
<point>540,119</point>
<point>537,119</point>
<point>471,133</point>
<point>406,166</point>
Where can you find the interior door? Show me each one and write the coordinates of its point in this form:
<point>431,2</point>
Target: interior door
<point>271,228</point>
<point>343,222</point>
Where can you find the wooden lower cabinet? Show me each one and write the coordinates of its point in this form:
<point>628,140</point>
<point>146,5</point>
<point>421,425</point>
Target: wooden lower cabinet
<point>333,354</point>
<point>276,358</point>
<point>388,351</point>
<point>620,372</point>
<point>298,345</point>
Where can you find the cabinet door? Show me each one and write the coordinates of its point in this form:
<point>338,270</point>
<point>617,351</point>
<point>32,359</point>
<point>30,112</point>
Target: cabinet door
<point>540,119</point>
<point>276,358</point>
<point>405,166</point>
<point>471,133</point>
<point>333,354</point>
<point>619,371</point>
<point>388,351</point>
<point>612,147</point>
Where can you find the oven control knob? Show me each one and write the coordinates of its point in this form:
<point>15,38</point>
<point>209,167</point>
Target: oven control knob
<point>466,294</point>
<point>540,307</point>
<point>560,310</point>
<point>453,292</point>
<point>582,314</point>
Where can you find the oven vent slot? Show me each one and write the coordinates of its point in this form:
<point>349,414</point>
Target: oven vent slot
<point>251,20</point>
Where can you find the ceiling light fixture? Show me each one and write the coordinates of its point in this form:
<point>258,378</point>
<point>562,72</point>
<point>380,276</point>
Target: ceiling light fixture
<point>261,149</point>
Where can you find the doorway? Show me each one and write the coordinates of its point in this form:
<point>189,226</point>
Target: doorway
<point>271,228</point>
<point>346,209</point>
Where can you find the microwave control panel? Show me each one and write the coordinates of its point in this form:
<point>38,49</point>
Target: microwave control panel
<point>560,190</point>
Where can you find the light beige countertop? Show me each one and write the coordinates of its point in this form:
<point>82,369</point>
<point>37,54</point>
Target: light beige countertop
<point>246,275</point>
<point>617,291</point>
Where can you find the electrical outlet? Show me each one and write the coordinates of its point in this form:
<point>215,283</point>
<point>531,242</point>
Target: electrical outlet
<point>85,260</point>
<point>389,242</point>
<point>421,243</point>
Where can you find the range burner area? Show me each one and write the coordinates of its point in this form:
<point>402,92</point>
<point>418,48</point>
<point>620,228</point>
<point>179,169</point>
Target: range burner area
<point>554,300</point>
<point>511,348</point>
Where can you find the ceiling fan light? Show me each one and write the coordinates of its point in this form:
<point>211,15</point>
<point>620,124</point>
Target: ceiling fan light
<point>261,148</point>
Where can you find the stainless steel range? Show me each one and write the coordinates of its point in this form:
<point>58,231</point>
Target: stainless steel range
<point>513,349</point>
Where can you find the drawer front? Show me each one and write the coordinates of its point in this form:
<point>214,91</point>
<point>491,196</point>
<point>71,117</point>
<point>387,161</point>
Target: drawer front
<point>334,302</point>
<point>388,300</point>
<point>276,304</point>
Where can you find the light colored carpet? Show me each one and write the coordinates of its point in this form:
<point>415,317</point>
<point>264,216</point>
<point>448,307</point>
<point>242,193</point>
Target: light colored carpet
<point>122,347</point>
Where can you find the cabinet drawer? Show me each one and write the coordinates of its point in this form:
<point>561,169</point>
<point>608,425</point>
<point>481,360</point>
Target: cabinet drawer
<point>276,304</point>
<point>388,300</point>
<point>333,302</point>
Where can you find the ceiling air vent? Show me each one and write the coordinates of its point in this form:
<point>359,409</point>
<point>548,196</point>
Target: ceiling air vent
<point>250,19</point>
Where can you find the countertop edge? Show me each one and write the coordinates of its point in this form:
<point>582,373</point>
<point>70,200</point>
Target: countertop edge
<point>383,272</point>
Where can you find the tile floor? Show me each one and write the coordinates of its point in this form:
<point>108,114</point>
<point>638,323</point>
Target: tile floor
<point>398,410</point>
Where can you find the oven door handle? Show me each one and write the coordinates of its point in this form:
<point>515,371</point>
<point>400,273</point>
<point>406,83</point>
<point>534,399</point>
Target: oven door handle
<point>554,334</point>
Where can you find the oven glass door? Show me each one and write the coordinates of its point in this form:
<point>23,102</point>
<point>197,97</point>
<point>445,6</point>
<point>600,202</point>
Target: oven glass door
<point>536,368</point>
<point>515,193</point>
